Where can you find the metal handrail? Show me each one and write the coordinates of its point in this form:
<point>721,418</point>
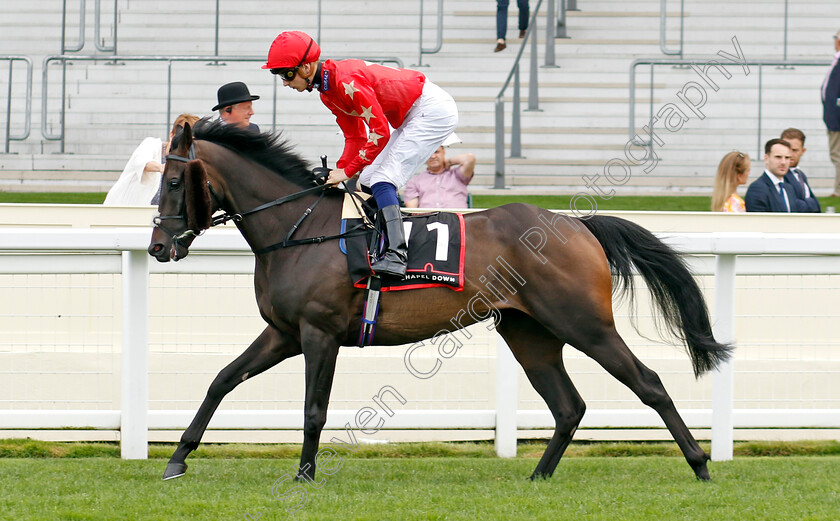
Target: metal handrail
<point>561,22</point>
<point>319,21</point>
<point>688,61</point>
<point>28,113</point>
<point>216,59</point>
<point>113,48</point>
<point>533,95</point>
<point>663,14</point>
<point>439,33</point>
<point>784,53</point>
<point>216,32</point>
<point>662,30</point>
<point>81,43</point>
<point>97,29</point>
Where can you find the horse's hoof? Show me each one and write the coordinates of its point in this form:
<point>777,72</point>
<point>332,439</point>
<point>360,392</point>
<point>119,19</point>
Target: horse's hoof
<point>702,472</point>
<point>703,475</point>
<point>174,470</point>
<point>539,476</point>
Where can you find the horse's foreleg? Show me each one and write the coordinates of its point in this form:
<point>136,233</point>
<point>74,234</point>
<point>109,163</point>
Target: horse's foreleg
<point>269,349</point>
<point>320,351</point>
<point>541,356</point>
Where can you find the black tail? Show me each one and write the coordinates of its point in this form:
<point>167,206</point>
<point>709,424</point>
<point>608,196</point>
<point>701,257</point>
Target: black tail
<point>674,289</point>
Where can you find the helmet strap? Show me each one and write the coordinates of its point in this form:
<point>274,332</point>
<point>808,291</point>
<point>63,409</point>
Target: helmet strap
<point>317,80</point>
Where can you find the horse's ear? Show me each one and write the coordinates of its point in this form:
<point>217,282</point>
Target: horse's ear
<point>196,195</point>
<point>186,137</point>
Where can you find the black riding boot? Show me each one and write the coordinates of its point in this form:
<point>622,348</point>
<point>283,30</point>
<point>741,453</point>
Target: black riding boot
<point>396,253</point>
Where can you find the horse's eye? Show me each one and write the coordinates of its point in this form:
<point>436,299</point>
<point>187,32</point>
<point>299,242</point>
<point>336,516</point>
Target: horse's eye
<point>174,184</point>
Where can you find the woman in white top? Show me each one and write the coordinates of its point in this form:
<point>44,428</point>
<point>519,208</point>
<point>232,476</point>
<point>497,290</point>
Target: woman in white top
<point>140,179</point>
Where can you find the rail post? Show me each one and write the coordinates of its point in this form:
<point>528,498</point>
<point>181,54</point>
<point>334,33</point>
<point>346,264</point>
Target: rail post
<point>134,434</point>
<point>507,376</point>
<point>724,375</point>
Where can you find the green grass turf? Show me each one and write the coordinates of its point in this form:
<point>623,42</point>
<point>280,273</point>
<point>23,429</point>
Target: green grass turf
<point>554,202</point>
<point>29,448</point>
<point>594,488</point>
<point>637,203</point>
<point>52,197</point>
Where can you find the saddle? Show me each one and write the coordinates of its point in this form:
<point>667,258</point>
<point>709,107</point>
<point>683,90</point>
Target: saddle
<point>436,246</point>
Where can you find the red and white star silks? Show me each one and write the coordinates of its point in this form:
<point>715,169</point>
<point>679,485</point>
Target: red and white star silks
<point>365,97</point>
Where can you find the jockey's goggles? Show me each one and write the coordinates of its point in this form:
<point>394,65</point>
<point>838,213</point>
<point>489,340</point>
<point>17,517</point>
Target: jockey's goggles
<point>288,74</point>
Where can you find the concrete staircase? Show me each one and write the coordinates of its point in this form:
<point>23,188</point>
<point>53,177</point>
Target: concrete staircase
<point>580,130</point>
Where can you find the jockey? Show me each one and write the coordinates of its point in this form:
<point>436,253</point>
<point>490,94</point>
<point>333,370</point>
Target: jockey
<point>366,98</point>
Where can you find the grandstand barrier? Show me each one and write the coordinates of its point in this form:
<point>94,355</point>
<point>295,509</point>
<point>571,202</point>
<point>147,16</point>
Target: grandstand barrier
<point>693,63</point>
<point>167,124</point>
<point>100,336</point>
<point>533,92</point>
<point>27,114</point>
<point>438,34</point>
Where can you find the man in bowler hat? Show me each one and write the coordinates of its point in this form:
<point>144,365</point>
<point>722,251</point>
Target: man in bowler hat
<point>235,105</point>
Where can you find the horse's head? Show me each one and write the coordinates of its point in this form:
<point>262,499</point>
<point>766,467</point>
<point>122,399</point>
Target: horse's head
<point>185,208</point>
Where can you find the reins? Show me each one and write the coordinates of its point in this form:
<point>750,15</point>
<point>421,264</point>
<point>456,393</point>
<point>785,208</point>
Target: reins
<point>239,216</point>
<point>359,229</point>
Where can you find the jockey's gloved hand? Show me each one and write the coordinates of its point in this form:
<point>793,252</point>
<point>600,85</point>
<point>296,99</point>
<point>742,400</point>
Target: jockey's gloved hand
<point>320,174</point>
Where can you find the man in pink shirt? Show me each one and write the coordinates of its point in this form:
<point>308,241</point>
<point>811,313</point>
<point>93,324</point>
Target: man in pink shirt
<point>444,184</point>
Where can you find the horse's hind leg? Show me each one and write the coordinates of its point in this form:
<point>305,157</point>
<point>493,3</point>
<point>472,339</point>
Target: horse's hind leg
<point>268,350</point>
<point>541,355</point>
<point>613,355</point>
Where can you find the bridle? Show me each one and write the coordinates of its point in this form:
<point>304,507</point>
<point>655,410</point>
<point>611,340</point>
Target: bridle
<point>158,219</point>
<point>238,217</point>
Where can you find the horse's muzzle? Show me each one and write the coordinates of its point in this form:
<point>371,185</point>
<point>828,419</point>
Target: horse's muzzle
<point>160,252</point>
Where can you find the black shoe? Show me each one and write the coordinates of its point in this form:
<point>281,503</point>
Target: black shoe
<point>396,253</point>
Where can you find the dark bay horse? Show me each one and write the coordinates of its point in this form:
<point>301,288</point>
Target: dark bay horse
<point>555,289</point>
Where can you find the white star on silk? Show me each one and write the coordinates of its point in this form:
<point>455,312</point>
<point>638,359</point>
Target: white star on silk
<point>367,113</point>
<point>363,155</point>
<point>350,89</point>
<point>373,137</point>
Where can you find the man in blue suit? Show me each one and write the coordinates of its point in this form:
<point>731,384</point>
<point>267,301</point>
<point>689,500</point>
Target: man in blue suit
<point>831,112</point>
<point>770,193</point>
<point>796,177</point>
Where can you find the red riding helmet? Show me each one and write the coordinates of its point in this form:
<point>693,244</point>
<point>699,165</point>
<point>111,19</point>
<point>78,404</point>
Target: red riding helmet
<point>292,49</point>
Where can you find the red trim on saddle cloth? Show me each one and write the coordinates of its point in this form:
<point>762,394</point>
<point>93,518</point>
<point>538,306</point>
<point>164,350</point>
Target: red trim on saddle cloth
<point>449,272</point>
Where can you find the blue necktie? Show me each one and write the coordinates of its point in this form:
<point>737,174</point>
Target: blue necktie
<point>782,197</point>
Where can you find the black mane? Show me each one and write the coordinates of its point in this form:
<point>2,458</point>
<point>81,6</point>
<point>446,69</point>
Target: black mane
<point>270,150</point>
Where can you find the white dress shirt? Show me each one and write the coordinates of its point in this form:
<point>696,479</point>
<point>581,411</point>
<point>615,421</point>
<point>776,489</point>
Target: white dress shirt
<point>776,183</point>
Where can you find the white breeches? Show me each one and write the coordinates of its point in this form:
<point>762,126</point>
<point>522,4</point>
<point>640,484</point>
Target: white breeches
<point>432,118</point>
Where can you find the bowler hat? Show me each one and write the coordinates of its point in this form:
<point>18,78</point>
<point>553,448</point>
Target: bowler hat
<point>233,93</point>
